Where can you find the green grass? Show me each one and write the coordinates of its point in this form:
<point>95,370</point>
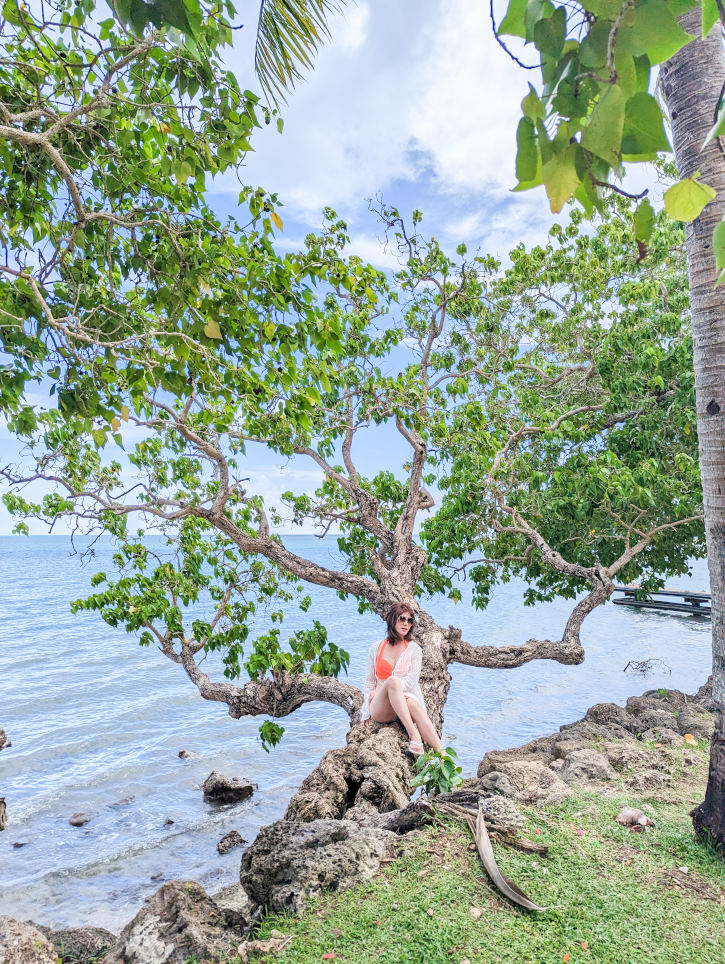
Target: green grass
<point>612,896</point>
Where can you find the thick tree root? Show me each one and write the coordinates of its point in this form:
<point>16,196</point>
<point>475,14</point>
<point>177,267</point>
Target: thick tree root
<point>460,804</point>
<point>370,775</point>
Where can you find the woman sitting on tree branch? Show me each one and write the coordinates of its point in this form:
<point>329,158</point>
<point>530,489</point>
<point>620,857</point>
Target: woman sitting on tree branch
<point>392,683</point>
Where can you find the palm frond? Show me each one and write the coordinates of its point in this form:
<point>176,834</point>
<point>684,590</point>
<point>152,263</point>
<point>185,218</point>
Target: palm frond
<point>289,33</point>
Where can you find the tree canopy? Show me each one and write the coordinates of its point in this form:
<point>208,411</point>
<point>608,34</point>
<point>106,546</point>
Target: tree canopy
<point>595,109</point>
<point>550,402</point>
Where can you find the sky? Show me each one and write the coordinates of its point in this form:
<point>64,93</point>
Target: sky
<point>413,101</point>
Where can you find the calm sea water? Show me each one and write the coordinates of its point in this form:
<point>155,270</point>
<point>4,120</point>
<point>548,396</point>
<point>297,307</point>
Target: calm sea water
<point>97,723</point>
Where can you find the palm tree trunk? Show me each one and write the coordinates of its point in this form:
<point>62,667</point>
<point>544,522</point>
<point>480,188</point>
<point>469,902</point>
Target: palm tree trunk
<point>692,82</point>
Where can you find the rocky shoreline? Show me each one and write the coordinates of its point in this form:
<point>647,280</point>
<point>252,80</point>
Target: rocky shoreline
<point>612,747</point>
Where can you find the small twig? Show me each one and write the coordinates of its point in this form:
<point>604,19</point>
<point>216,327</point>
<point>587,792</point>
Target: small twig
<point>618,190</point>
<point>645,665</point>
<point>502,44</point>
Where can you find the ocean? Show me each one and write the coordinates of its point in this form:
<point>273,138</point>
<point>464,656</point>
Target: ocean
<point>97,724</point>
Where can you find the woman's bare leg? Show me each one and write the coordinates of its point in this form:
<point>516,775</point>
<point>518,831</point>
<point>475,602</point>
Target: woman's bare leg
<point>422,721</point>
<point>389,703</point>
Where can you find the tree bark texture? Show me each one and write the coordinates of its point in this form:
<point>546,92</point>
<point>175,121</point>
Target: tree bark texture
<point>692,82</point>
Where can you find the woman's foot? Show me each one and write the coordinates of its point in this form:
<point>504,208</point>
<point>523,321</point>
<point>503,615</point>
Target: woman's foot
<point>415,747</point>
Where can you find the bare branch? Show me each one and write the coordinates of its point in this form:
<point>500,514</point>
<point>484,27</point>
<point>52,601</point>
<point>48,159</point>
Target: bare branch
<point>567,650</point>
<point>276,697</point>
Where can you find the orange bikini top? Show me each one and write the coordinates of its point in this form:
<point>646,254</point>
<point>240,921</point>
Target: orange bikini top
<point>383,669</point>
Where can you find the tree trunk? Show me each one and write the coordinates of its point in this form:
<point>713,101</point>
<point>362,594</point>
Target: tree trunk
<point>692,81</point>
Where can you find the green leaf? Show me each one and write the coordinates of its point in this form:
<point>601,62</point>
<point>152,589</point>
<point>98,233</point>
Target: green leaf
<point>593,51</point>
<point>549,34</point>
<point>710,16</point>
<point>718,249</point>
<point>560,177</point>
<point>685,200</point>
<point>514,23</point>
<point>624,64</point>
<point>212,330</point>
<point>536,10</point>
<point>99,437</point>
<point>603,134</point>
<point>183,172</point>
<point>656,32</point>
<point>644,219</point>
<point>644,131</point>
<point>603,9</point>
<point>531,105</point>
<point>270,734</point>
<point>527,151</point>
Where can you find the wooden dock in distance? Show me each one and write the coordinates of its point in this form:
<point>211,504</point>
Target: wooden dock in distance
<point>670,600</point>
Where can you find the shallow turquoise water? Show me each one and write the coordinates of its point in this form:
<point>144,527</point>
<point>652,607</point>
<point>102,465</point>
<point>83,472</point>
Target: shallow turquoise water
<point>96,724</point>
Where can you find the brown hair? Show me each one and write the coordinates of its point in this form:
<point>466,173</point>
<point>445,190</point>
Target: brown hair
<point>391,618</point>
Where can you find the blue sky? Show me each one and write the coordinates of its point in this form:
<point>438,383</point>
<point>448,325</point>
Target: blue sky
<point>413,100</point>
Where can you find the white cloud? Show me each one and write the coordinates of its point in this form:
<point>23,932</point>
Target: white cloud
<point>351,29</point>
<point>413,100</point>
<point>398,81</point>
<point>467,102</point>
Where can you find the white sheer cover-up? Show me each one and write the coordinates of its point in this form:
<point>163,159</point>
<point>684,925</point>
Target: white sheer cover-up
<point>407,670</point>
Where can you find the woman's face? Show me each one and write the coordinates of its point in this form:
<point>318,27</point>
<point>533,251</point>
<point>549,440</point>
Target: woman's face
<point>404,623</point>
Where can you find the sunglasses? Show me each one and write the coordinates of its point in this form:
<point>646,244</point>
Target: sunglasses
<point>405,619</point>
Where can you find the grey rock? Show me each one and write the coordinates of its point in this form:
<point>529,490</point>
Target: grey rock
<point>539,750</point>
<point>651,713</point>
<point>669,699</point>
<point>234,898</point>
<point>566,745</point>
<point>80,945</point>
<point>4,741</point>
<point>704,698</point>
<point>586,766</point>
<point>78,820</point>
<point>626,756</point>
<point>497,782</point>
<point>534,781</point>
<point>22,943</point>
<point>663,735</point>
<point>504,813</point>
<point>648,781</point>
<point>701,725</point>
<point>607,714</point>
<point>588,730</point>
<point>221,789</point>
<point>178,922</point>
<point>291,862</point>
<point>184,754</point>
<point>229,841</point>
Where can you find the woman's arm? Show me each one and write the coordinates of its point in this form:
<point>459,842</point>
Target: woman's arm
<point>411,680</point>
